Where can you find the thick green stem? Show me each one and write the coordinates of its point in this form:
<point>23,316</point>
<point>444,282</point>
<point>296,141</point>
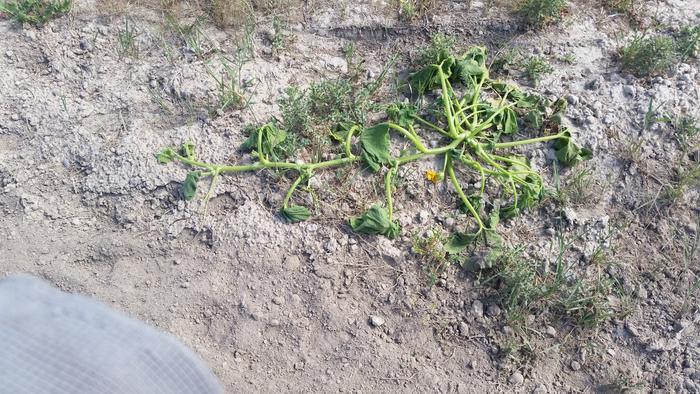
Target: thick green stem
<point>463,197</point>
<point>288,196</point>
<point>504,145</point>
<point>387,192</point>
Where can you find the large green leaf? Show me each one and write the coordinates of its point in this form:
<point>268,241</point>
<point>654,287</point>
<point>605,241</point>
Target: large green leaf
<point>471,65</point>
<point>402,114</point>
<point>375,221</point>
<point>459,241</point>
<point>568,153</point>
<point>295,213</point>
<point>375,146</point>
<point>428,78</point>
<point>189,187</point>
<point>272,136</point>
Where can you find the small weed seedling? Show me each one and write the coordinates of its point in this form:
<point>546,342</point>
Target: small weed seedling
<point>127,39</point>
<point>688,43</point>
<point>535,67</point>
<point>35,12</point>
<point>431,251</point>
<point>478,120</point>
<point>648,56</point>
<point>687,133</point>
<point>539,13</point>
<point>228,86</point>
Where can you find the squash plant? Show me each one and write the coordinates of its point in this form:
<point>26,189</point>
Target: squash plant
<point>478,120</point>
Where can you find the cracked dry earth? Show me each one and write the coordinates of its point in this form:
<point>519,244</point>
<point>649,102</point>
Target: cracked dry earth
<point>312,307</point>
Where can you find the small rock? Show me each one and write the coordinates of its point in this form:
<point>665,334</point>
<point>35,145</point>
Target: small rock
<point>423,217</point>
<point>14,117</point>
<point>478,308</point>
<point>85,44</point>
<point>185,285</point>
<point>376,321</point>
<point>629,90</point>
<point>551,331</point>
<point>292,263</point>
<point>516,378</point>
<point>9,54</point>
<point>540,389</point>
<point>279,300</point>
<point>632,329</point>
<point>575,366</point>
<point>572,99</point>
<point>493,310</point>
<point>463,329</point>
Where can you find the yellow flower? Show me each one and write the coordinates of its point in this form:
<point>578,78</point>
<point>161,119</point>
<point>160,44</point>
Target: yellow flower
<point>432,176</point>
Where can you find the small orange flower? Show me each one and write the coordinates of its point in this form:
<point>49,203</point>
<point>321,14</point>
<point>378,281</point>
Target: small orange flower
<point>432,176</point>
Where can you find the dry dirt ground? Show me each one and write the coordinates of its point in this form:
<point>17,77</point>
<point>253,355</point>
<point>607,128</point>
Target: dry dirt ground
<point>312,307</point>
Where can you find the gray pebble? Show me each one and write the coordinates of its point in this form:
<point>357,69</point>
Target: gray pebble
<point>493,310</point>
<point>478,308</point>
<point>572,99</point>
<point>516,378</point>
<point>629,90</point>
<point>540,389</point>
<point>185,285</point>
<point>463,329</point>
<point>376,321</point>
<point>279,300</point>
<point>575,366</point>
<point>551,331</point>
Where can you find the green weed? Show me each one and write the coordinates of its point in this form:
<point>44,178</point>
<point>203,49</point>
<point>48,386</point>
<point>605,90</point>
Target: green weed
<point>648,56</point>
<point>228,85</point>
<point>35,12</point>
<point>580,189</point>
<point>127,39</point>
<point>431,252</point>
<point>688,42</point>
<point>535,67</point>
<point>410,9</point>
<point>686,131</point>
<point>478,130</point>
<point>539,13</point>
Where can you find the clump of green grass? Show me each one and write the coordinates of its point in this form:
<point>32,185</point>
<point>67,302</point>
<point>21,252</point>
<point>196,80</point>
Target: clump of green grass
<point>646,56</point>
<point>431,252</point>
<point>410,9</point>
<point>535,67</point>
<point>127,38</point>
<point>539,13</point>
<point>525,286</point>
<point>686,131</point>
<point>688,42</point>
<point>35,12</point>
<point>228,86</point>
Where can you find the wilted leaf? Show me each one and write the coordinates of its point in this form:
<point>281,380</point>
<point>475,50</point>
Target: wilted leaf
<point>341,130</point>
<point>295,213</point>
<point>568,153</point>
<point>189,187</point>
<point>375,221</point>
<point>402,114</point>
<point>471,65</point>
<point>166,156</point>
<point>375,146</point>
<point>271,137</point>
<point>428,78</point>
<point>187,150</point>
<point>459,241</point>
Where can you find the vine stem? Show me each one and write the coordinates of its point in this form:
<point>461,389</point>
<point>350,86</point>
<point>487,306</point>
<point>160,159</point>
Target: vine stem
<point>387,192</point>
<point>463,197</point>
<point>288,196</point>
<point>504,145</point>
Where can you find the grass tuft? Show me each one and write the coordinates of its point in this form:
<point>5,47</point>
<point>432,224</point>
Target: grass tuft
<point>35,12</point>
<point>539,13</point>
<point>648,56</point>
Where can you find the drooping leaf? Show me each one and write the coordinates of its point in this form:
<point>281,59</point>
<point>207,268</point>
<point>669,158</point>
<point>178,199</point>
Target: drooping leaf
<point>402,114</point>
<point>509,121</point>
<point>272,136</point>
<point>568,153</point>
<point>428,78</point>
<point>341,130</point>
<point>375,221</point>
<point>375,146</point>
<point>471,65</point>
<point>509,212</point>
<point>295,213</point>
<point>189,187</point>
<point>459,241</point>
<point>187,150</point>
<point>166,156</point>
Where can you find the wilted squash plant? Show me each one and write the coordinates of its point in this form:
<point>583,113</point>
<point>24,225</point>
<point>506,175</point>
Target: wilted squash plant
<point>477,119</point>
